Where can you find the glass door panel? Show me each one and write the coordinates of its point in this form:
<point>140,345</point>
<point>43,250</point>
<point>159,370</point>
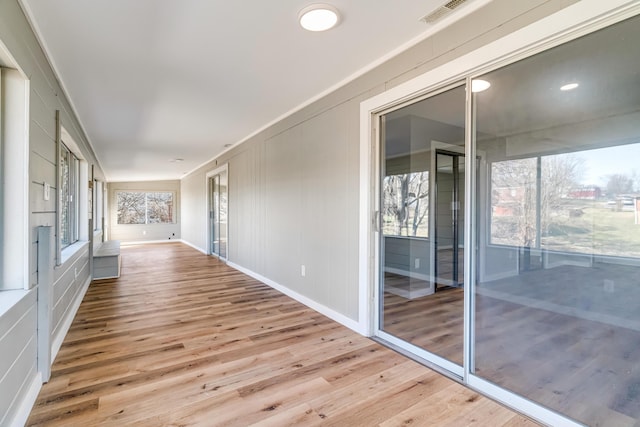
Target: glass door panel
<point>449,245</point>
<point>215,207</point>
<point>222,214</point>
<point>415,311</point>
<point>218,188</point>
<point>557,300</point>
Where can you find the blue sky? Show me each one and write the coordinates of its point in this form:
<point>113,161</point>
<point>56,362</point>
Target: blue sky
<point>602,162</point>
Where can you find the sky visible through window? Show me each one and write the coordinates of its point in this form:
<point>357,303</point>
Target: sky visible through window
<point>600,163</point>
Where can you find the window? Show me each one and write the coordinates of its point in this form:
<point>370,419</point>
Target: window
<point>561,281</point>
<point>513,202</point>
<point>137,207</point>
<point>581,202</point>
<point>69,192</point>
<point>98,195</point>
<point>15,186</point>
<point>406,204</point>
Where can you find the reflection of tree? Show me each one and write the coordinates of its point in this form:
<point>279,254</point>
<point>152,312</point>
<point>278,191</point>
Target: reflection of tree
<point>64,198</point>
<point>513,184</point>
<point>620,183</point>
<point>514,195</point>
<point>406,202</point>
<point>635,176</point>
<point>559,175</point>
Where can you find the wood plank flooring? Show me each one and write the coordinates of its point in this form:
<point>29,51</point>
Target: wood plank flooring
<point>183,340</point>
<point>434,322</point>
<point>554,335</point>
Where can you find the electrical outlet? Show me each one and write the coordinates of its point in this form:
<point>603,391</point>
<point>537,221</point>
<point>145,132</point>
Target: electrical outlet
<point>417,263</point>
<point>303,270</point>
<point>144,232</point>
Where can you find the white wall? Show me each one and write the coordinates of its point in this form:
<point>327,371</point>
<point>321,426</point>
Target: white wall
<point>293,190</point>
<point>143,232</point>
<point>19,379</point>
<point>18,371</point>
<point>309,161</point>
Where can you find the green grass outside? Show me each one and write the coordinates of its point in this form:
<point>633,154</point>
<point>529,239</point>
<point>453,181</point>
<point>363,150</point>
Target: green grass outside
<point>598,229</point>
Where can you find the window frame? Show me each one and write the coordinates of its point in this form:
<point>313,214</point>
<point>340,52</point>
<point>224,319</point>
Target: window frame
<point>539,186</point>
<point>98,203</point>
<point>69,223</point>
<point>425,217</point>
<point>146,209</point>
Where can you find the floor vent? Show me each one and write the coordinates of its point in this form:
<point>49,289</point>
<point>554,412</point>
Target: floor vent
<point>442,11</point>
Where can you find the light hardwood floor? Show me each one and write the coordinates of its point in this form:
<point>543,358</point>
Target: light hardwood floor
<point>181,339</point>
<point>554,335</point>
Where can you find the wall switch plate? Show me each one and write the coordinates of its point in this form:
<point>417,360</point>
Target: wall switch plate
<point>303,270</point>
<point>47,191</point>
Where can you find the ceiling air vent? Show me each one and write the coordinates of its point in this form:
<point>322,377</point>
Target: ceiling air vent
<point>442,11</point>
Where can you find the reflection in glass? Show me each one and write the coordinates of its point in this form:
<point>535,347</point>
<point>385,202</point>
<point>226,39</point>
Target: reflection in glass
<point>449,220</point>
<point>557,301</point>
<point>218,215</point>
<point>421,299</point>
<point>406,204</point>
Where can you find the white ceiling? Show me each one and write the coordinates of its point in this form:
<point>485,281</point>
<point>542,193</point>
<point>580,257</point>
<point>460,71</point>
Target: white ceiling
<point>155,80</point>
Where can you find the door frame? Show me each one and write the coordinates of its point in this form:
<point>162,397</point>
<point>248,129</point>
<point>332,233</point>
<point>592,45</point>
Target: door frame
<point>567,24</point>
<point>433,360</point>
<point>209,206</point>
<point>435,147</point>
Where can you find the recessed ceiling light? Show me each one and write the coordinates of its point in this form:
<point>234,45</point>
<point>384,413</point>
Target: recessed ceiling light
<point>176,160</point>
<point>569,86</point>
<point>318,17</point>
<point>478,85</point>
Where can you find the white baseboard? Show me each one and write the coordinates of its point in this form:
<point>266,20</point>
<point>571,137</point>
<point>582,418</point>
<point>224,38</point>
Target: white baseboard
<point>416,292</point>
<point>322,309</point>
<point>193,246</point>
<point>412,294</point>
<point>146,242</point>
<point>24,408</point>
<point>412,274</point>
<point>498,276</point>
<point>64,328</point>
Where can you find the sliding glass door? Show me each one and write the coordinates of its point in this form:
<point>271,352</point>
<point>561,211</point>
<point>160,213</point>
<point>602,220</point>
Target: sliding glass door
<point>519,272</point>
<point>557,313</point>
<point>421,286</point>
<point>218,206</point>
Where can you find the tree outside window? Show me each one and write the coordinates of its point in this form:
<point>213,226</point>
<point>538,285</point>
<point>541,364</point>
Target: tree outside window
<point>406,204</point>
<point>69,191</point>
<point>136,207</point>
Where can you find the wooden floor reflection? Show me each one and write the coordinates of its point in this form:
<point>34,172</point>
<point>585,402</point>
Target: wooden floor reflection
<point>557,342</point>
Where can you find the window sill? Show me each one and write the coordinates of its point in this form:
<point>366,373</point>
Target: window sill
<point>10,298</point>
<point>394,236</point>
<point>146,224</point>
<point>71,250</point>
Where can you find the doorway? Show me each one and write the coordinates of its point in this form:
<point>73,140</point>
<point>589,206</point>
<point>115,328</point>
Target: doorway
<point>420,292</point>
<point>217,184</point>
<point>449,220</point>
